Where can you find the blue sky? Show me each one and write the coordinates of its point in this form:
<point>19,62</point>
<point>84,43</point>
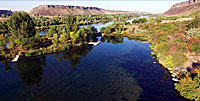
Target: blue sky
<point>151,6</point>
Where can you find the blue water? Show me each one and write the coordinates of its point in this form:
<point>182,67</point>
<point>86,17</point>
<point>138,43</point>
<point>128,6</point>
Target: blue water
<point>98,26</point>
<point>42,32</point>
<point>117,69</point>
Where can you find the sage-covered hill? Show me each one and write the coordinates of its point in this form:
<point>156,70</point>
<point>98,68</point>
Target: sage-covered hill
<point>54,10</point>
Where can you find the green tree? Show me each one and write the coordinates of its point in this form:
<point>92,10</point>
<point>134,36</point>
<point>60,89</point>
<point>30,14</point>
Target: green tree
<point>74,36</point>
<point>71,24</point>
<point>91,30</point>
<point>81,32</point>
<point>3,27</point>
<point>21,24</point>
<point>63,37</point>
<point>21,27</point>
<point>102,29</point>
<point>52,30</point>
<point>108,29</point>
<point>2,42</point>
<point>55,40</point>
<point>141,20</point>
<point>38,38</point>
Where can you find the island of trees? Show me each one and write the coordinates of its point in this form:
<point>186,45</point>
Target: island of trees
<point>19,33</point>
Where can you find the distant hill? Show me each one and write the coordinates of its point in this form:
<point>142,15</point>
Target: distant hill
<point>184,8</point>
<point>6,12</point>
<point>53,10</point>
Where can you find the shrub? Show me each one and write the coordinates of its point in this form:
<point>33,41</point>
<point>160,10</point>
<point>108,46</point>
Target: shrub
<point>159,19</point>
<point>44,52</point>
<point>193,32</point>
<point>141,20</point>
<point>91,30</point>
<point>144,26</point>
<point>52,31</point>
<point>189,87</point>
<point>178,58</point>
<point>116,28</point>
<point>168,62</point>
<point>167,27</point>
<point>127,23</point>
<point>163,47</point>
<point>195,22</point>
<point>171,18</point>
<point>27,54</point>
<point>108,29</point>
<point>64,37</point>
<point>68,46</point>
<point>130,30</point>
<point>195,47</point>
<point>102,29</point>
<point>123,32</point>
<point>55,50</point>
<point>3,27</point>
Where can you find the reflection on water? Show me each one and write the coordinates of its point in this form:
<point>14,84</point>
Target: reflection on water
<point>31,70</point>
<point>112,39</point>
<point>74,55</point>
<point>117,69</point>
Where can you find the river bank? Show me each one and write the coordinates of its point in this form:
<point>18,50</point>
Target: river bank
<point>173,49</point>
<point>192,58</point>
<point>174,44</point>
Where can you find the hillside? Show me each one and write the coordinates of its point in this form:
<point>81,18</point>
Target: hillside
<point>53,10</point>
<point>183,8</point>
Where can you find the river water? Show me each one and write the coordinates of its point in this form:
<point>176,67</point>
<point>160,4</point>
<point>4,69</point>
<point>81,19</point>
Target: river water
<point>98,25</point>
<point>118,69</point>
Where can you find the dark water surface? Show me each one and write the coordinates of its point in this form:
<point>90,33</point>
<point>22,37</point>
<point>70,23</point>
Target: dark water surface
<point>118,69</point>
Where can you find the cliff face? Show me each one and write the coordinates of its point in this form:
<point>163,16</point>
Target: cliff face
<point>53,10</point>
<point>178,5</point>
<point>184,8</point>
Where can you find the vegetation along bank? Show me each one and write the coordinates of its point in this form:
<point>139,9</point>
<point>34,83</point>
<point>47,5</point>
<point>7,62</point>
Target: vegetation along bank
<point>175,43</point>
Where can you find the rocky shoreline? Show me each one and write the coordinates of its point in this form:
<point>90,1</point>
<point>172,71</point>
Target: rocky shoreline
<point>192,62</point>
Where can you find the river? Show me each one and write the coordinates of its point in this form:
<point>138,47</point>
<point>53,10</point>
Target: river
<point>118,69</point>
<point>98,25</point>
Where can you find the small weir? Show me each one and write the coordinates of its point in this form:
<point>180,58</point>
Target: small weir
<point>94,43</point>
<point>15,59</point>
